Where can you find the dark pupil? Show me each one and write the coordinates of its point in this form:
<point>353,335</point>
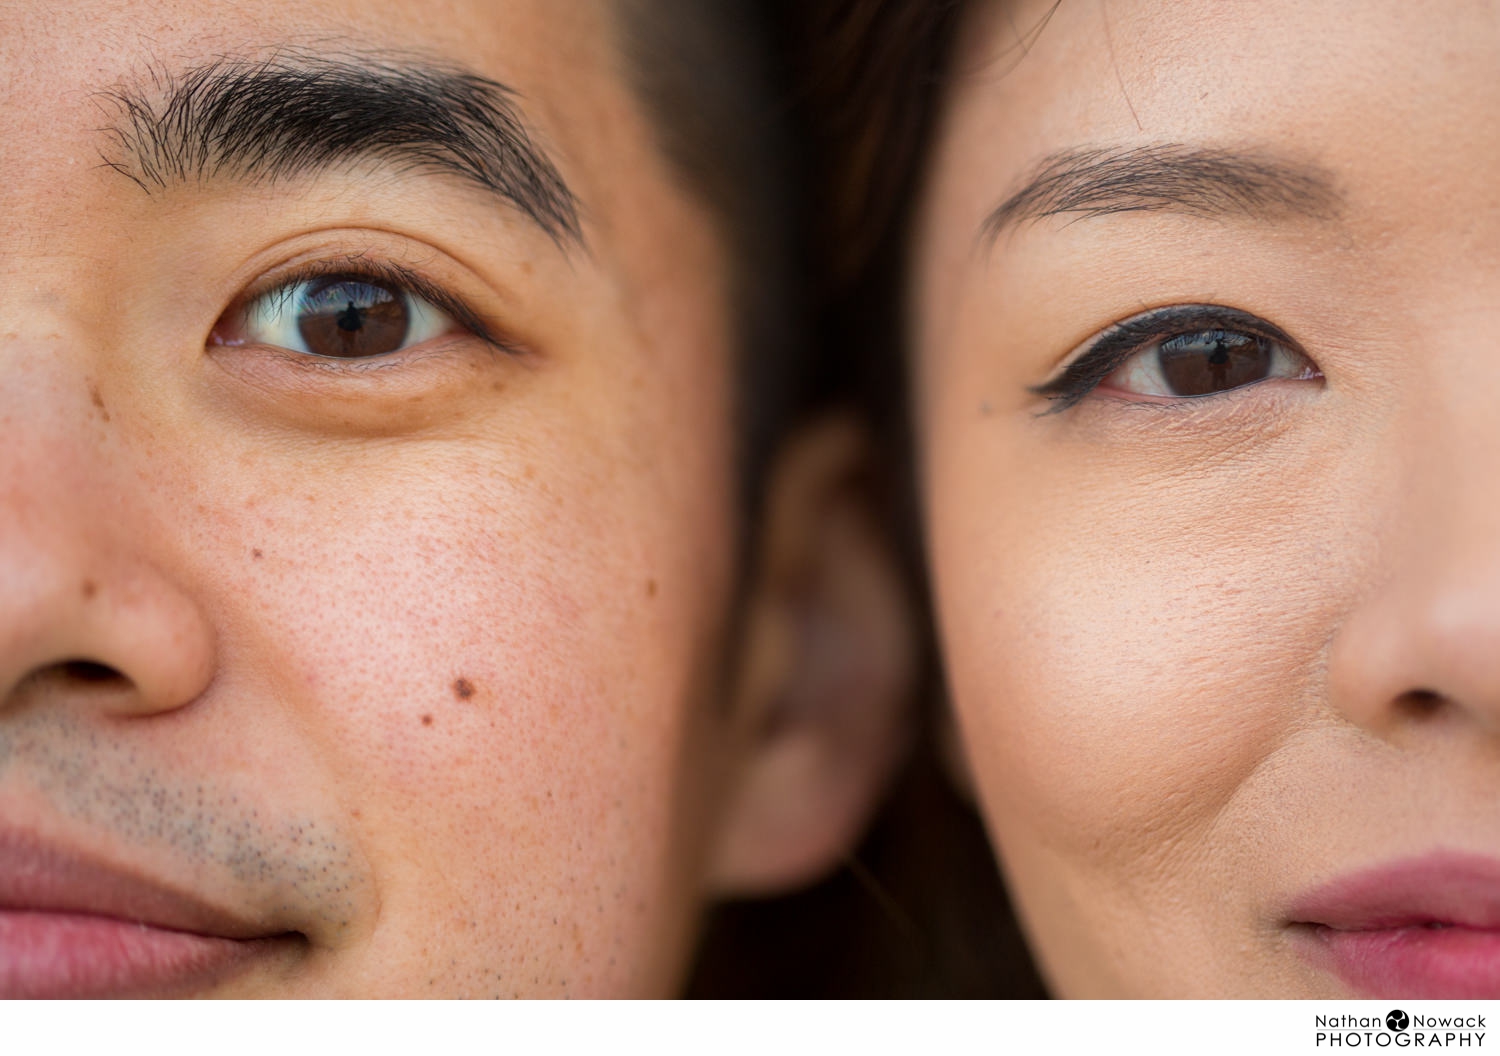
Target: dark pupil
<point>349,319</point>
<point>1212,361</point>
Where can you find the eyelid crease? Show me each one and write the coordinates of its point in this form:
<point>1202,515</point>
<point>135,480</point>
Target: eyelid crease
<point>1124,339</point>
<point>365,268</point>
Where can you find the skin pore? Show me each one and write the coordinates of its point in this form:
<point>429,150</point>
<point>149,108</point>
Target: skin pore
<point>1214,645</point>
<point>407,667</point>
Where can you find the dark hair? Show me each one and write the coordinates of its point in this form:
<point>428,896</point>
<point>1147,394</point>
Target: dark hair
<point>919,910</point>
<point>801,124</point>
<point>713,82</point>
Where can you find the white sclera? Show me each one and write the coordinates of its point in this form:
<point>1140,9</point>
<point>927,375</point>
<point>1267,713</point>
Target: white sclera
<point>1141,374</point>
<point>272,318</point>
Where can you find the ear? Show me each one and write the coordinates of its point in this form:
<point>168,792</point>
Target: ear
<point>821,702</point>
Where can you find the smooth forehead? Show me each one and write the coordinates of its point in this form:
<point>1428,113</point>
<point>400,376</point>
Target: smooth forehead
<point>1393,102</point>
<point>102,41</point>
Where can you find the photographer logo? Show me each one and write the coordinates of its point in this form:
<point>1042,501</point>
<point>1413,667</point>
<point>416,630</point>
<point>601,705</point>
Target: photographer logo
<point>1399,1030</point>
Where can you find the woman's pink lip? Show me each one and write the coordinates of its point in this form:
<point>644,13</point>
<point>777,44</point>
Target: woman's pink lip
<point>75,926</point>
<point>1425,927</point>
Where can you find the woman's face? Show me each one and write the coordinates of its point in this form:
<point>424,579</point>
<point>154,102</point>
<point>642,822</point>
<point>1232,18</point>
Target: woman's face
<point>1221,605</point>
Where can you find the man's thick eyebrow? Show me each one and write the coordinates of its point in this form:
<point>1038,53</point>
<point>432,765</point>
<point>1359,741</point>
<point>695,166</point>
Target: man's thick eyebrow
<point>295,114</point>
<point>1209,182</point>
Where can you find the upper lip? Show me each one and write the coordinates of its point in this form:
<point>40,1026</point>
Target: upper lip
<point>39,876</point>
<point>1443,888</point>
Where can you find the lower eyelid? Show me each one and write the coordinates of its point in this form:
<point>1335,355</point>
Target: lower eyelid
<point>310,362</point>
<point>315,384</point>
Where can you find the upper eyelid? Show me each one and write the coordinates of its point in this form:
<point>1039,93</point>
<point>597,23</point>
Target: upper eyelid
<point>1104,352</point>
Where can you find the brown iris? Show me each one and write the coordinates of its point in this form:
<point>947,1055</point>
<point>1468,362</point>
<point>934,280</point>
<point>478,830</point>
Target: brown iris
<point>1212,361</point>
<point>352,319</point>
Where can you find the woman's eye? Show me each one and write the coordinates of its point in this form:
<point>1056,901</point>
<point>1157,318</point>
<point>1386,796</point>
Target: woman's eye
<point>337,317</point>
<point>1203,362</point>
<point>1179,352</point>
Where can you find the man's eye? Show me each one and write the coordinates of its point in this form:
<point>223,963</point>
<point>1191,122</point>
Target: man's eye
<point>337,317</point>
<point>1203,362</point>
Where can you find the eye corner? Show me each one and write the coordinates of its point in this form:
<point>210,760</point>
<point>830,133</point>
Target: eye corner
<point>1057,399</point>
<point>223,334</point>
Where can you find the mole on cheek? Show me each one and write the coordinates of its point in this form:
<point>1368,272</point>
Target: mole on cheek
<point>90,588</point>
<point>256,554</point>
<point>463,689</point>
<point>650,588</point>
<point>98,401</point>
<point>426,720</point>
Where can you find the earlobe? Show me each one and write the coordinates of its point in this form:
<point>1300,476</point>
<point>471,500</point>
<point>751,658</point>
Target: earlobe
<point>822,702</point>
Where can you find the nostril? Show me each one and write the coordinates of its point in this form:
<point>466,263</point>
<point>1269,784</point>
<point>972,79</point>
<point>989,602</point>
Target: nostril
<point>89,671</point>
<point>1420,702</point>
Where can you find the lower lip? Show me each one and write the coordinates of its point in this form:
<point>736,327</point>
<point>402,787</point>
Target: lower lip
<point>1418,961</point>
<point>69,955</point>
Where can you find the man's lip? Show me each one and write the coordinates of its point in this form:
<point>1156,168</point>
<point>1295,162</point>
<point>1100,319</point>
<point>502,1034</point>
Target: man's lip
<point>65,955</point>
<point>1425,927</point>
<point>40,876</point>
<point>76,926</point>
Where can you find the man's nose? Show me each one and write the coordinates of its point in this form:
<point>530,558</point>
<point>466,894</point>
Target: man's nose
<point>89,610</point>
<point>1425,641</point>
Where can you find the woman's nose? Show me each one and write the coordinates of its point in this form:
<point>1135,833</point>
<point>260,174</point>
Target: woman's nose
<point>1425,640</point>
<point>88,613</point>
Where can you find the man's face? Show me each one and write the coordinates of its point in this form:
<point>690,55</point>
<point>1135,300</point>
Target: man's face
<point>366,547</point>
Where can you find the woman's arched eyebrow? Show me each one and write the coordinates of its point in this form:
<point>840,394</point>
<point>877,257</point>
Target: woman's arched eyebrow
<point>1209,182</point>
<point>296,114</point>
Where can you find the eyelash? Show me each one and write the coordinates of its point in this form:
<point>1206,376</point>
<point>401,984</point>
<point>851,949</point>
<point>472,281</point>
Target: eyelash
<point>1120,342</point>
<point>382,273</point>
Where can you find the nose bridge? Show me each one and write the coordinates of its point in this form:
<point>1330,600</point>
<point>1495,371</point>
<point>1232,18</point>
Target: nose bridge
<point>80,580</point>
<point>52,489</point>
<point>1430,628</point>
<point>1452,508</point>
<point>1451,555</point>
<point>51,415</point>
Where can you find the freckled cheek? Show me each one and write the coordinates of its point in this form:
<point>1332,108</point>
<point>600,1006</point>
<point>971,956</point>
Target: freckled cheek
<point>453,658</point>
<point>504,668</point>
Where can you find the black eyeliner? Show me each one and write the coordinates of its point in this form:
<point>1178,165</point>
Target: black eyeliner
<point>1124,339</point>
